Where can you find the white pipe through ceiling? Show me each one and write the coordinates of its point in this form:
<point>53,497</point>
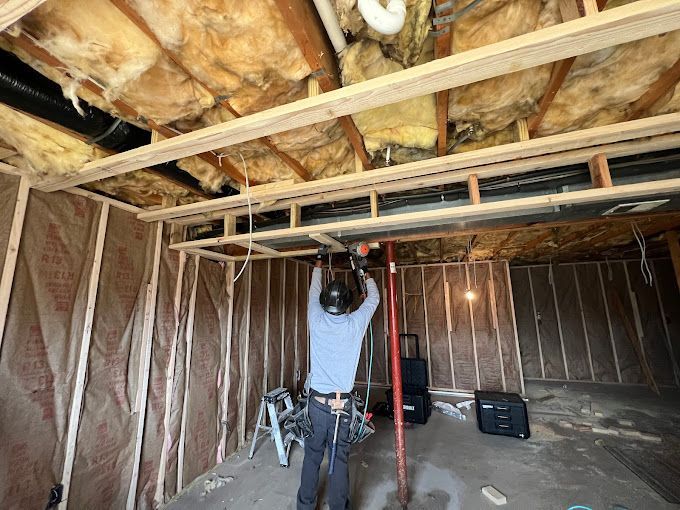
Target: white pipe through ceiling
<point>386,20</point>
<point>331,24</point>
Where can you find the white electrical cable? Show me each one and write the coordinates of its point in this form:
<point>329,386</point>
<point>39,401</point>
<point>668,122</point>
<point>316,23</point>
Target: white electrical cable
<point>644,266</point>
<point>250,218</point>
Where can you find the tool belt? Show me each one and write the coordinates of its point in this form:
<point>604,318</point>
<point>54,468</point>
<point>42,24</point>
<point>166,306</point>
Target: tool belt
<point>326,398</point>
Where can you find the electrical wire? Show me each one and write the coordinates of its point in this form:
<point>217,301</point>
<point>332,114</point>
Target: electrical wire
<point>644,266</point>
<point>250,218</point>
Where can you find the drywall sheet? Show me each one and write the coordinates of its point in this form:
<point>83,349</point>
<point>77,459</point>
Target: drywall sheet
<point>239,333</point>
<point>653,332</point>
<point>304,275</point>
<point>163,334</point>
<point>506,327</point>
<point>9,186</point>
<point>483,313</point>
<point>669,295</point>
<point>106,437</point>
<point>258,312</point>
<point>43,334</point>
<point>379,372</point>
<point>462,343</point>
<point>414,308</point>
<point>438,331</point>
<point>290,318</point>
<point>576,349</point>
<point>597,325</point>
<point>616,285</point>
<point>202,422</point>
<point>548,327</point>
<point>277,295</point>
<point>526,323</point>
<point>179,380</point>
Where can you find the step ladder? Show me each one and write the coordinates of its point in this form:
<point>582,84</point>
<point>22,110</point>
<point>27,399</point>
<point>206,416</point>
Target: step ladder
<point>276,418</point>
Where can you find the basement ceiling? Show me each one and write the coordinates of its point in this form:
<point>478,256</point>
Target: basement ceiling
<point>188,65</point>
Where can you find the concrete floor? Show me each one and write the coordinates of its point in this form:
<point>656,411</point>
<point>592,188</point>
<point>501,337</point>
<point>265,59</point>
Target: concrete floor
<point>449,460</point>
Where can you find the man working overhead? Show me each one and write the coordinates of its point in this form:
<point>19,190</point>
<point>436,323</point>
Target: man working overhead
<point>336,339</point>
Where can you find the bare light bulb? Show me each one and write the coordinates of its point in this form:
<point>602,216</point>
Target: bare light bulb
<point>469,295</point>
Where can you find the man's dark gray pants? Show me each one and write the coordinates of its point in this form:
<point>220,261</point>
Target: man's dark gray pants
<point>323,423</point>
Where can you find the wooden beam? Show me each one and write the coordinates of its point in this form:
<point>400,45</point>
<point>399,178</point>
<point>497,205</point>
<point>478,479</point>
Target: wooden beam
<point>442,48</point>
<point>599,171</point>
<point>538,240</point>
<point>305,25</point>
<point>571,10</point>
<point>81,368</point>
<point>138,21</point>
<point>520,130</point>
<point>101,198</point>
<point>13,10</point>
<point>229,225</point>
<point>496,161</point>
<point>12,252</point>
<point>451,214</point>
<point>674,249</point>
<point>656,91</point>
<point>258,248</point>
<point>375,204</point>
<point>638,20</point>
<point>473,189</point>
<point>448,177</point>
<point>295,215</point>
<point>24,42</point>
<point>328,241</point>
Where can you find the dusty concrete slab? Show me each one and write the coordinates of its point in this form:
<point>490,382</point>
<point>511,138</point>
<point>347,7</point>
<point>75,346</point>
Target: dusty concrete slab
<point>450,461</point>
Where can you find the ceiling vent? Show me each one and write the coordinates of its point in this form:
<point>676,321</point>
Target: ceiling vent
<point>634,207</point>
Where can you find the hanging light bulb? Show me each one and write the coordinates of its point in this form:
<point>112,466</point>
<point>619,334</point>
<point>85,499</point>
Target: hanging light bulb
<point>469,295</point>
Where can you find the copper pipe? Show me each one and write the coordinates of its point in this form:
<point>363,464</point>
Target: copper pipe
<point>395,350</point>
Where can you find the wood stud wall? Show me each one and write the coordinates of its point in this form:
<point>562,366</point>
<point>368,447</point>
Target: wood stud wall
<point>571,328</point>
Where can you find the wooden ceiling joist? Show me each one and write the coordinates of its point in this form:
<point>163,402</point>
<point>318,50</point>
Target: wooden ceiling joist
<point>638,20</point>
<point>14,10</point>
<point>547,152</point>
<point>307,30</point>
<point>571,10</point>
<point>666,82</point>
<point>27,44</point>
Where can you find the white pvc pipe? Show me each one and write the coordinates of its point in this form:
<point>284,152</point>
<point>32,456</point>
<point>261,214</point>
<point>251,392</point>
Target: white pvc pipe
<point>386,20</point>
<point>331,24</point>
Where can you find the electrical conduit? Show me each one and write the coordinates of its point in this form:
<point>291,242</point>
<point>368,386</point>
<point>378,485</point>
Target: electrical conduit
<point>386,20</point>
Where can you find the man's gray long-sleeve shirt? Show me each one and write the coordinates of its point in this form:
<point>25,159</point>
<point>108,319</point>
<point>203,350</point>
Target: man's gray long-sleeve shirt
<point>336,339</point>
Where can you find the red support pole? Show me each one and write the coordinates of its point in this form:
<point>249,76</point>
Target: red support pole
<point>395,352</point>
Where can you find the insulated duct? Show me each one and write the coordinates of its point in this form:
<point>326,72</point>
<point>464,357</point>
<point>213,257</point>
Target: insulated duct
<point>26,90</point>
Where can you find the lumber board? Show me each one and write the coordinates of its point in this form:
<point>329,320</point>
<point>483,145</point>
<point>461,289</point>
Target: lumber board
<point>638,20</point>
<point>14,241</point>
<point>513,153</point>
<point>442,48</point>
<point>473,189</point>
<point>656,91</point>
<point>328,241</point>
<point>13,10</point>
<point>450,214</point>
<point>306,28</point>
<point>107,200</point>
<point>599,171</point>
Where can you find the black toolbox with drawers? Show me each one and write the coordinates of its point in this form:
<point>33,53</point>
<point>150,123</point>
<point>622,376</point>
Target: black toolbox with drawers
<point>502,413</point>
<point>417,403</point>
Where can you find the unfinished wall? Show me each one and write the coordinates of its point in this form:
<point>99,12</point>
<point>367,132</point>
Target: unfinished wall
<point>585,321</point>
<point>469,344</point>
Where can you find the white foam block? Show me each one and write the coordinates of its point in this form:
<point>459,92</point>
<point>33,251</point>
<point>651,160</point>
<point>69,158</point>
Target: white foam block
<point>494,495</point>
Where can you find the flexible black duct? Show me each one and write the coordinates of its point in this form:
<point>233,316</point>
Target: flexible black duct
<point>25,89</point>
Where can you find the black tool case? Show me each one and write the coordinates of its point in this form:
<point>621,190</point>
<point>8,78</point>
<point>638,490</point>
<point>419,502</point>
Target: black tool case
<point>502,413</point>
<point>417,402</point>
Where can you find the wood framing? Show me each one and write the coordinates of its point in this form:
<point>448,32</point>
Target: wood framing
<point>13,243</point>
<point>605,302</point>
<point>328,241</point>
<point>523,157</point>
<point>27,44</point>
<point>631,22</point>
<point>659,88</point>
<point>145,362</point>
<point>187,371</point>
<point>473,189</point>
<point>81,369</point>
<point>570,10</point>
<point>101,198</point>
<point>375,204</point>
<point>229,283</point>
<point>307,30</point>
<point>14,10</point>
<point>442,48</point>
<point>599,171</point>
